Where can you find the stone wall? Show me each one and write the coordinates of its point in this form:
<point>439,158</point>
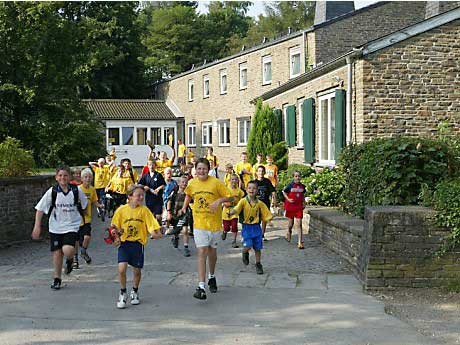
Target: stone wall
<point>18,197</point>
<point>391,247</point>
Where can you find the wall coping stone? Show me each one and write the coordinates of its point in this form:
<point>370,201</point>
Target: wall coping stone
<point>4,181</point>
<point>338,219</point>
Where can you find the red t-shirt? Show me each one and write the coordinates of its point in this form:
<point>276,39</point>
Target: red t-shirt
<point>294,191</point>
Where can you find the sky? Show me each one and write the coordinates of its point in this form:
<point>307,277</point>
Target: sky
<point>258,6</point>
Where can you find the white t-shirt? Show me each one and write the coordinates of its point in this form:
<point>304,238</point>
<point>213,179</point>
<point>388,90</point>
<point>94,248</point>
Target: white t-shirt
<point>65,216</point>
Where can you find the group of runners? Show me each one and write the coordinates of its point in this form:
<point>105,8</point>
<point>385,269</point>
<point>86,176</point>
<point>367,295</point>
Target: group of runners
<point>199,203</point>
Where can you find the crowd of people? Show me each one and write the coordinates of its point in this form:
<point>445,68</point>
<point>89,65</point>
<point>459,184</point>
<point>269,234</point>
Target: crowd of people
<point>199,204</point>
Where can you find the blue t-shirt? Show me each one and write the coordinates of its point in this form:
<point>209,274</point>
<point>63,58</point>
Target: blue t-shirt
<point>170,188</point>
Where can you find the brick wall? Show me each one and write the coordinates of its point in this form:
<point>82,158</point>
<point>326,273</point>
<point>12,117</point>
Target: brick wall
<point>17,206</point>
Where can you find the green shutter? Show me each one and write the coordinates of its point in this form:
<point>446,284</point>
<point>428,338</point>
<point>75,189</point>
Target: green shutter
<point>339,121</point>
<point>279,119</point>
<point>308,111</point>
<point>291,125</point>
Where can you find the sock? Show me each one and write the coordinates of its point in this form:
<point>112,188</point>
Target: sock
<point>75,258</point>
<point>185,245</point>
<point>83,250</point>
<point>123,290</point>
<point>211,276</point>
<point>135,289</point>
<point>201,285</point>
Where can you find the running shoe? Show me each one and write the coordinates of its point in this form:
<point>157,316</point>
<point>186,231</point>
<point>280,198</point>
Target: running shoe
<point>122,300</point>
<point>199,293</point>
<point>234,245</point>
<point>175,242</point>
<point>259,268</point>
<point>246,258</point>
<point>186,252</point>
<point>68,266</point>
<point>224,235</point>
<point>212,285</point>
<point>56,285</point>
<point>134,298</point>
<point>86,257</point>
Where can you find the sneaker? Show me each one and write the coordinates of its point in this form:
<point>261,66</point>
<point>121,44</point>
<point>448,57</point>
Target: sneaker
<point>246,258</point>
<point>75,265</point>
<point>134,298</point>
<point>86,257</point>
<point>224,235</point>
<point>68,266</point>
<point>122,300</point>
<point>56,285</point>
<point>175,242</point>
<point>212,285</point>
<point>259,268</point>
<point>234,245</point>
<point>265,240</point>
<point>186,252</point>
<point>199,293</point>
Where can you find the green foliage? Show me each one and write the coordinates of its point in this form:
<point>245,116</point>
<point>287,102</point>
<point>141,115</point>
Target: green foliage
<point>285,177</point>
<point>264,133</point>
<point>279,152</point>
<point>14,160</point>
<point>447,136</point>
<point>391,171</point>
<point>325,187</point>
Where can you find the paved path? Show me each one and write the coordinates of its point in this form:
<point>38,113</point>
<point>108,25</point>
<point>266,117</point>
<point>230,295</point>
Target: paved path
<point>304,297</point>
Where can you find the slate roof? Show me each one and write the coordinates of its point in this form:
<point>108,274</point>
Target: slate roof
<point>130,109</point>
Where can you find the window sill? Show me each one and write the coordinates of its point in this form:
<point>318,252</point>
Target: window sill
<point>204,97</point>
<point>223,93</point>
<point>300,148</point>
<point>190,100</point>
<point>242,144</point>
<point>190,145</point>
<point>224,145</point>
<point>266,83</point>
<point>206,145</point>
<point>243,88</point>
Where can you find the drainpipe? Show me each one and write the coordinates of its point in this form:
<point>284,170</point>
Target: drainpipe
<point>349,59</point>
<point>304,49</point>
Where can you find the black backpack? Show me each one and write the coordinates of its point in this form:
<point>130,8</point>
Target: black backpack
<point>76,200</point>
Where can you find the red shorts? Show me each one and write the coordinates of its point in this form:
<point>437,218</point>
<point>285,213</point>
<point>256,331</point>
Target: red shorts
<point>294,214</point>
<point>231,224</point>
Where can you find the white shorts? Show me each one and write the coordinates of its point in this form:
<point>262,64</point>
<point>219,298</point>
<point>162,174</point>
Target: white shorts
<point>206,238</point>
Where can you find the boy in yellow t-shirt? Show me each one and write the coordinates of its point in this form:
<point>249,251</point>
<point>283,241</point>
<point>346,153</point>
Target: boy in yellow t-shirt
<point>133,222</point>
<point>231,222</point>
<point>208,194</point>
<point>181,148</point>
<point>163,162</point>
<point>244,170</point>
<point>254,211</point>
<point>118,187</point>
<point>256,165</point>
<point>228,174</point>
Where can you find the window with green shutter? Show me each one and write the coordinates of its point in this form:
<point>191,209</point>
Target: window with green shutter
<point>339,121</point>
<point>308,114</point>
<point>279,118</point>
<point>291,125</point>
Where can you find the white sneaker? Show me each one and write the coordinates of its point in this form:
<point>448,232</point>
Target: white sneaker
<point>122,300</point>
<point>134,298</point>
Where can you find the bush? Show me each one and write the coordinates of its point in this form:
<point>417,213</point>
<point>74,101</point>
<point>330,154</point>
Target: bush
<point>14,160</point>
<point>325,187</point>
<point>391,171</point>
<point>279,153</point>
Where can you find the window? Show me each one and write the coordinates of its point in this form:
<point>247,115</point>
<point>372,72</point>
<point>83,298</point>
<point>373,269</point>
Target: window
<point>266,69</point>
<point>300,116</point>
<point>223,81</point>
<point>244,126</point>
<point>206,134</point>
<point>141,136</point>
<point>191,86</point>
<point>294,62</point>
<point>191,135</point>
<point>327,129</point>
<point>114,136</point>
<point>155,136</point>
<point>127,134</point>
<point>168,136</point>
<point>224,133</point>
<point>284,127</point>
<point>205,86</point>
<point>243,75</point>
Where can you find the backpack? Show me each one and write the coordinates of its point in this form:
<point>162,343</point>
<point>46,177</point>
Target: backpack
<point>76,199</point>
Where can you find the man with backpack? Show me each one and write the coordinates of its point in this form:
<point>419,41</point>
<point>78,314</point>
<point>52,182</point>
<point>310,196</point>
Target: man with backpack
<point>64,204</point>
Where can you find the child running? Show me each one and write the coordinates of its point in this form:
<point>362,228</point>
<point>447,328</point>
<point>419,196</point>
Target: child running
<point>169,190</point>
<point>176,218</point>
<point>208,193</point>
<point>265,192</point>
<point>228,174</point>
<point>61,203</point>
<point>294,204</point>
<point>244,170</point>
<point>231,222</point>
<point>254,211</point>
<point>133,221</point>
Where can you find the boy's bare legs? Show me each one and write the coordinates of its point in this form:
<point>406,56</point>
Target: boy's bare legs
<point>299,232</point>
<point>258,254</point>
<point>264,227</point>
<point>202,254</point>
<point>57,263</point>
<point>137,274</point>
<point>212,259</point>
<point>290,225</point>
<point>122,267</point>
<point>185,234</point>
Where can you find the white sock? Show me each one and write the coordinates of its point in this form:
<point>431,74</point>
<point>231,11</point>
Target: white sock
<point>201,285</point>
<point>211,276</point>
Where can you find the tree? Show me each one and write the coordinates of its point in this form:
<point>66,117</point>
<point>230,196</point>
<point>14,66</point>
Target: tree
<point>264,132</point>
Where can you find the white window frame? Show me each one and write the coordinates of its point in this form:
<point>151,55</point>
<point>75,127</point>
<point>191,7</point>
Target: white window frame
<point>300,122</point>
<point>243,67</point>
<point>266,60</point>
<point>246,128</point>
<point>206,133</point>
<point>206,90</point>
<point>223,81</point>
<point>330,159</point>
<point>191,90</point>
<point>294,51</point>
<point>191,135</point>
<point>224,140</point>
<point>285,123</point>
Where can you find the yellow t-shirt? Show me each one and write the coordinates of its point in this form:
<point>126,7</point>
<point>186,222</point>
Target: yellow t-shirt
<point>237,194</point>
<point>203,194</point>
<point>212,158</point>
<point>271,172</point>
<point>253,212</point>
<point>181,150</point>
<point>161,166</point>
<point>127,176</point>
<point>135,223</point>
<point>101,176</point>
<point>254,170</point>
<point>190,155</point>
<point>227,178</point>
<point>90,193</point>
<point>119,184</point>
<point>248,168</point>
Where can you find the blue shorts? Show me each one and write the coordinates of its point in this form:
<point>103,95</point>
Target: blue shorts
<point>156,208</point>
<point>132,253</point>
<point>252,236</point>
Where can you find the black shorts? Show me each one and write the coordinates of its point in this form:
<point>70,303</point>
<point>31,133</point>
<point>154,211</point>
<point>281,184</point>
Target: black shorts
<point>57,241</point>
<point>181,160</point>
<point>85,230</point>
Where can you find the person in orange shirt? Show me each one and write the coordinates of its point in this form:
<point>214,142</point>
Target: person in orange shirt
<point>271,171</point>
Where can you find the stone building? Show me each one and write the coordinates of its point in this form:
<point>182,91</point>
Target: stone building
<point>215,99</point>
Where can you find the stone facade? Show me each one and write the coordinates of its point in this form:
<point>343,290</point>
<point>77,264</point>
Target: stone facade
<point>17,208</point>
<point>391,247</point>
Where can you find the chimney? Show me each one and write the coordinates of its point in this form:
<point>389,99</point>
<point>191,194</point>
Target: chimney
<point>327,10</point>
